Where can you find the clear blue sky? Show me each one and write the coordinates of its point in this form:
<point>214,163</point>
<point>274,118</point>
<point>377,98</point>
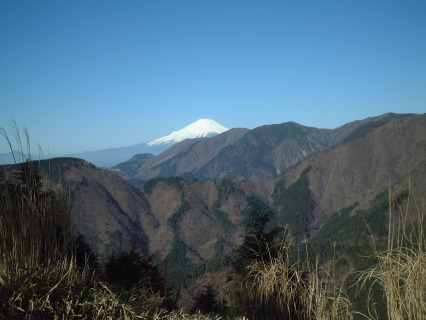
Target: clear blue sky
<point>88,75</point>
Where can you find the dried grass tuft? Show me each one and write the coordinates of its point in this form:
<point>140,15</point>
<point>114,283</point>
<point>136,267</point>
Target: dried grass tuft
<point>279,290</point>
<point>401,268</point>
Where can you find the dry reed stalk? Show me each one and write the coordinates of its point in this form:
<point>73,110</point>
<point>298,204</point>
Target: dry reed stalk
<point>268,290</point>
<point>37,266</point>
<point>401,268</point>
<point>276,282</point>
<point>323,300</point>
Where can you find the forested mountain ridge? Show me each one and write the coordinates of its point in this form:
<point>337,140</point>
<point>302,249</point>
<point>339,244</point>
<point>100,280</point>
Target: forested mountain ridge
<point>259,154</point>
<point>355,172</point>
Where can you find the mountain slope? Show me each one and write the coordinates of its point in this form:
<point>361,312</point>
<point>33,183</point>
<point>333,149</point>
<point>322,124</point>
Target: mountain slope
<point>180,159</point>
<point>360,169</point>
<point>106,209</point>
<point>266,151</point>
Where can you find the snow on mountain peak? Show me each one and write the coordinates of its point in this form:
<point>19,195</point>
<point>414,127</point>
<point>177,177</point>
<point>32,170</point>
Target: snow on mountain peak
<point>198,129</point>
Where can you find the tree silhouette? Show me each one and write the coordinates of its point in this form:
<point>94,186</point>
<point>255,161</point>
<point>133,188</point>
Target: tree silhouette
<point>206,301</point>
<point>129,269</point>
<point>261,235</point>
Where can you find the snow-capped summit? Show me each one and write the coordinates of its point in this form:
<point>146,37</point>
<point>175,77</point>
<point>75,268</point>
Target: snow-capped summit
<point>198,129</point>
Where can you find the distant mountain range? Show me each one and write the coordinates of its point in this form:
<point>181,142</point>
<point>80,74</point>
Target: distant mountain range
<point>206,149</point>
<point>107,158</point>
<point>111,157</point>
<point>258,154</point>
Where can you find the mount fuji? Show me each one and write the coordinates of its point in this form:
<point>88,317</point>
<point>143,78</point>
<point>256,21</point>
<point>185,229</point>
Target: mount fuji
<point>198,129</point>
<point>108,158</point>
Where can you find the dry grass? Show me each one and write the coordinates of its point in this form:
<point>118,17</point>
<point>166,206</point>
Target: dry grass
<point>38,271</point>
<point>279,290</point>
<point>401,268</point>
<point>324,299</point>
<point>268,290</point>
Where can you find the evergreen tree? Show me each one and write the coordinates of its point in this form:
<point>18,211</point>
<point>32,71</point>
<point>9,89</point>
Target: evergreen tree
<point>261,235</point>
<point>129,269</point>
<point>206,302</point>
<point>84,254</point>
